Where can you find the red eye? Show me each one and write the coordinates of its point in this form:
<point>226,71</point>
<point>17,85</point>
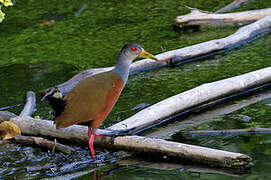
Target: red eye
<point>133,49</point>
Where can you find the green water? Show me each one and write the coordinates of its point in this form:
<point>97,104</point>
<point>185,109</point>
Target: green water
<point>34,56</point>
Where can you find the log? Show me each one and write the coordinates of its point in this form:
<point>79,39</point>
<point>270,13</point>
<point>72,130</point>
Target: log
<point>41,142</point>
<point>30,104</point>
<point>172,167</point>
<point>5,116</point>
<point>202,94</point>
<point>197,18</point>
<point>229,131</point>
<point>232,6</point>
<point>178,56</point>
<point>77,133</point>
<point>208,115</point>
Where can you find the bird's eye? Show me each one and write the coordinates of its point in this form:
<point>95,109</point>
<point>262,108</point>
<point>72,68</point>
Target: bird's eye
<point>133,49</point>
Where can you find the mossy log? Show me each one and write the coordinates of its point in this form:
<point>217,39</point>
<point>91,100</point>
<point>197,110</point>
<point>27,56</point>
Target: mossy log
<point>197,18</point>
<point>182,55</point>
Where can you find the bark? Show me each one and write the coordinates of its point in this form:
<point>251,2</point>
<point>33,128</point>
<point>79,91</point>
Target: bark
<point>178,56</point>
<point>202,94</point>
<point>5,116</point>
<point>197,18</point>
<point>232,6</point>
<point>229,131</point>
<point>41,142</point>
<point>77,133</point>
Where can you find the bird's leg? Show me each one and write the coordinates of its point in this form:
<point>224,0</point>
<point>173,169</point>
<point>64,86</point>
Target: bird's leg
<point>91,135</point>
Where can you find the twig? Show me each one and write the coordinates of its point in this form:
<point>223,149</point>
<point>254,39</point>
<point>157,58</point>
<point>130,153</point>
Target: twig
<point>29,106</point>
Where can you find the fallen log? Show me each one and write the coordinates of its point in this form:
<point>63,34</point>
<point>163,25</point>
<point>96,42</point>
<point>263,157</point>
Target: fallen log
<point>30,104</point>
<point>191,121</point>
<point>229,131</point>
<point>197,18</point>
<point>41,142</point>
<point>77,133</point>
<point>232,6</point>
<point>178,56</point>
<point>202,94</point>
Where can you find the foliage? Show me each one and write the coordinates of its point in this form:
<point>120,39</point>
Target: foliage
<point>5,3</point>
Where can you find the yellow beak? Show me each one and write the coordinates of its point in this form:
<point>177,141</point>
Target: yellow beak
<point>145,54</point>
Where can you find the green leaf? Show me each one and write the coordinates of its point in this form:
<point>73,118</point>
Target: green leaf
<point>2,15</point>
<point>6,2</point>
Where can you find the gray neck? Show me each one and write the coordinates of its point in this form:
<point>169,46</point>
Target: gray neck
<point>123,66</point>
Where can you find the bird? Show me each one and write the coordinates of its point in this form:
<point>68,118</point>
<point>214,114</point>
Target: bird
<point>94,97</point>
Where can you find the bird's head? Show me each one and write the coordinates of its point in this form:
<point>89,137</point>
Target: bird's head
<point>134,50</point>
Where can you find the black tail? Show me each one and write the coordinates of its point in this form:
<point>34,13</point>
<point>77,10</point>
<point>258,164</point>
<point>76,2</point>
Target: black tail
<point>57,104</point>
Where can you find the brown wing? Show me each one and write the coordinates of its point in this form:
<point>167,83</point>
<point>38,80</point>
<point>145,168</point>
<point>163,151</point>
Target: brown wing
<point>88,99</point>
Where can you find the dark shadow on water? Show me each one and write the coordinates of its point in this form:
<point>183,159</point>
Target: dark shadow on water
<point>17,79</point>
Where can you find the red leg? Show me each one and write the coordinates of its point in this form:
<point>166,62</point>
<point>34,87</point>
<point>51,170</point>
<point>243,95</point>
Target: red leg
<point>91,141</point>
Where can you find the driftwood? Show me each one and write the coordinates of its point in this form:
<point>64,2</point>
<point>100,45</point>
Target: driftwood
<point>182,55</point>
<point>77,133</point>
<point>197,18</point>
<point>229,131</point>
<point>232,6</point>
<point>41,142</point>
<point>193,120</point>
<point>29,106</point>
<point>194,97</point>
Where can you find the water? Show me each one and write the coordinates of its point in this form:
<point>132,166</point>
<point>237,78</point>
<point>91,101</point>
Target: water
<point>44,44</point>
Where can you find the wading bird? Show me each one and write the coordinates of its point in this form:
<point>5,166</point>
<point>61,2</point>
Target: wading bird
<point>94,97</point>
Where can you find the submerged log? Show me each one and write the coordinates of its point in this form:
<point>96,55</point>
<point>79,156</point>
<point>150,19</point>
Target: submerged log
<point>194,97</point>
<point>182,55</point>
<point>77,133</point>
<point>197,18</point>
<point>186,167</point>
<point>229,131</point>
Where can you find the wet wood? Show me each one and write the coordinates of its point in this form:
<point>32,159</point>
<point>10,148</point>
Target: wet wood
<point>44,143</point>
<point>229,131</point>
<point>232,6</point>
<point>186,167</point>
<point>30,104</point>
<point>194,97</point>
<point>6,115</point>
<point>179,150</point>
<point>78,134</point>
<point>177,56</point>
<point>197,18</point>
<point>206,116</point>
